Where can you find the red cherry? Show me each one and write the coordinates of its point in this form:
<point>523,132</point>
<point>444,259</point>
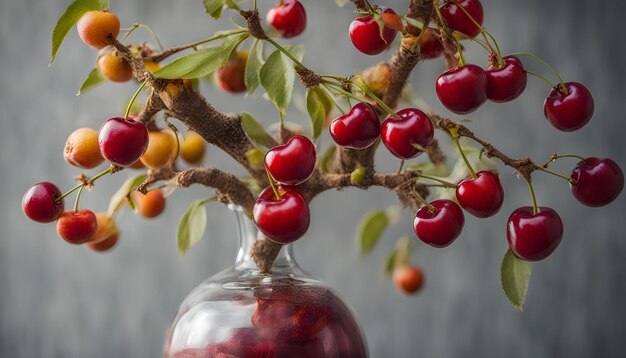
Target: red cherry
<point>282,220</point>
<point>533,237</point>
<point>508,82</point>
<point>597,181</point>
<point>462,90</point>
<point>402,135</point>
<point>77,227</point>
<point>571,111</point>
<point>39,204</point>
<point>481,196</point>
<point>291,163</point>
<point>357,129</point>
<point>122,142</point>
<point>408,279</point>
<point>430,45</point>
<point>441,227</point>
<point>365,34</point>
<point>456,19</point>
<point>288,17</point>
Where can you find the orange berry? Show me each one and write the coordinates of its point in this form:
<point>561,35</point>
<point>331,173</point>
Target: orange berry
<point>230,78</point>
<point>81,149</point>
<point>150,205</point>
<point>104,245</point>
<point>377,78</point>
<point>192,148</point>
<point>98,28</point>
<point>408,279</point>
<point>106,233</point>
<point>151,66</point>
<point>161,148</point>
<point>114,68</point>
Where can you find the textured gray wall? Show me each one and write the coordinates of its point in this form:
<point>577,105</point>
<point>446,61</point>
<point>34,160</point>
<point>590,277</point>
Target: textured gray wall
<point>62,301</point>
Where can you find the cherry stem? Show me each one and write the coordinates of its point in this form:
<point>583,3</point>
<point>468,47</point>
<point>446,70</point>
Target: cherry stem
<point>446,184</point>
<point>80,191</point>
<point>563,88</point>
<point>532,195</point>
<point>371,7</point>
<point>92,180</point>
<point>212,38</point>
<point>132,100</point>
<point>369,93</point>
<point>549,171</point>
<point>423,201</point>
<point>450,35</point>
<point>272,184</point>
<point>287,53</point>
<point>401,166</point>
<point>455,137</point>
<point>333,100</point>
<point>559,156</point>
<point>484,33</point>
<point>552,85</point>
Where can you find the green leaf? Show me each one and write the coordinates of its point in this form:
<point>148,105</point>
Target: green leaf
<point>255,157</point>
<point>70,17</point>
<point>277,77</point>
<point>191,226</point>
<point>202,62</point>
<point>318,106</point>
<point>371,227</point>
<point>94,78</point>
<point>214,7</point>
<point>399,256</point>
<point>253,66</point>
<point>514,275</point>
<point>256,132</point>
<point>390,263</point>
<point>121,195</point>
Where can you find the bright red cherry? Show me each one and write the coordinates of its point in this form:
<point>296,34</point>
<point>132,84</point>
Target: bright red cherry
<point>405,136</point>
<point>533,237</point>
<point>282,220</point>
<point>39,203</point>
<point>366,36</point>
<point>508,82</point>
<point>571,111</point>
<point>481,196</point>
<point>441,227</point>
<point>122,142</point>
<point>357,129</point>
<point>597,181</point>
<point>288,17</point>
<point>457,19</point>
<point>462,90</point>
<point>293,162</point>
<point>77,227</point>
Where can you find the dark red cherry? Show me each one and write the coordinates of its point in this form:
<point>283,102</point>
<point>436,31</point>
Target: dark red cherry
<point>293,162</point>
<point>405,136</point>
<point>508,82</point>
<point>597,181</point>
<point>456,19</point>
<point>288,17</point>
<point>357,129</point>
<point>77,227</point>
<point>571,111</point>
<point>481,196</point>
<point>533,237</point>
<point>282,220</point>
<point>430,45</point>
<point>365,34</point>
<point>122,142</point>
<point>462,90</point>
<point>441,227</point>
<point>39,202</point>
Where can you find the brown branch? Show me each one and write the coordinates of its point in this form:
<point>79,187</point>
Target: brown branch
<point>360,4</point>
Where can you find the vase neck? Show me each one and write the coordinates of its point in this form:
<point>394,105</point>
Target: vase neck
<point>248,235</point>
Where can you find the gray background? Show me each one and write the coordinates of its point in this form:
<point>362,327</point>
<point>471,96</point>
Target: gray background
<point>57,300</point>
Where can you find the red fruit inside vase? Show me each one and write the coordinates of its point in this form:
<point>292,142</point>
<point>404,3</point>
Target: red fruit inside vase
<point>508,82</point>
<point>77,227</point>
<point>366,35</point>
<point>293,162</point>
<point>288,18</point>
<point>122,142</point>
<point>569,111</point>
<point>439,228</point>
<point>533,237</point>
<point>357,129</point>
<point>40,203</point>
<point>282,220</point>
<point>481,196</point>
<point>462,90</point>
<point>458,20</point>
<point>406,136</point>
<point>597,181</point>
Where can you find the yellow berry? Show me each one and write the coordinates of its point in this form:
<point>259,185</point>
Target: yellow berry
<point>81,149</point>
<point>106,234</point>
<point>192,148</point>
<point>150,205</point>
<point>98,28</point>
<point>161,148</point>
<point>114,68</point>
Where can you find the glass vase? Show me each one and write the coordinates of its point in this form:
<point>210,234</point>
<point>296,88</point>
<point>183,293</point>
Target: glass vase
<point>242,313</point>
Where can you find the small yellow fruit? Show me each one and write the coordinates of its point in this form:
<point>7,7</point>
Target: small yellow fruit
<point>192,148</point>
<point>81,149</point>
<point>150,205</point>
<point>106,234</point>
<point>151,66</point>
<point>114,68</point>
<point>161,148</point>
<point>97,28</point>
